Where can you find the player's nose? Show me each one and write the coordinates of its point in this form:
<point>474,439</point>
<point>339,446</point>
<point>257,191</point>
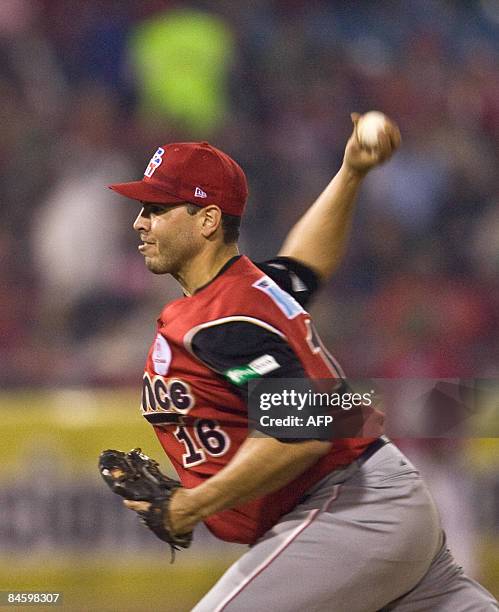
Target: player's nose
<point>142,221</point>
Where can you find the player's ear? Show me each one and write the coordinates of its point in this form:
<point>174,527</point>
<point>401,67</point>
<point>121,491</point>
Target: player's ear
<point>211,220</point>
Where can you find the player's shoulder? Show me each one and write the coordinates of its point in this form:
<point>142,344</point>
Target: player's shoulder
<point>244,281</point>
<point>248,293</point>
<point>292,276</point>
<point>261,289</point>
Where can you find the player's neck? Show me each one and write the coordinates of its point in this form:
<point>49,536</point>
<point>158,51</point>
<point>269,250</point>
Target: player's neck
<point>202,268</point>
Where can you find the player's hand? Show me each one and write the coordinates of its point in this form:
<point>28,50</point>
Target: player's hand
<point>361,160</point>
<point>179,520</point>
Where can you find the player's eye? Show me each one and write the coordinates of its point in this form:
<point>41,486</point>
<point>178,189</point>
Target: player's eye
<point>153,209</point>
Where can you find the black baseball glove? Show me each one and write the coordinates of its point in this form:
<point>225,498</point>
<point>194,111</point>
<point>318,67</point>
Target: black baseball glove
<point>136,477</point>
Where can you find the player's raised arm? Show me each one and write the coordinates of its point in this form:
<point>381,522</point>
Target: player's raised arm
<point>319,238</point>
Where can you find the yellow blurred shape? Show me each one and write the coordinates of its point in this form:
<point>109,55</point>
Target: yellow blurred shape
<point>72,427</point>
<point>181,59</point>
<point>483,454</point>
<point>130,583</point>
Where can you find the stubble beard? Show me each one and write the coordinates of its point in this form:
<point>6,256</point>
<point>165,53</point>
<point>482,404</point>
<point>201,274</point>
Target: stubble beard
<point>173,259</point>
<point>158,265</point>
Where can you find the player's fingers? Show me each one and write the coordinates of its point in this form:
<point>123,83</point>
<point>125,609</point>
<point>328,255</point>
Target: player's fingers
<point>379,153</point>
<point>394,134</point>
<point>138,506</point>
<point>384,148</point>
<point>355,119</point>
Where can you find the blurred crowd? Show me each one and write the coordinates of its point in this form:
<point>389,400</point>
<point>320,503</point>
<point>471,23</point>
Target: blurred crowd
<point>88,90</point>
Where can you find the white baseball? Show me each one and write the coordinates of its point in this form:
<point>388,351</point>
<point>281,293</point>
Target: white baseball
<point>369,127</point>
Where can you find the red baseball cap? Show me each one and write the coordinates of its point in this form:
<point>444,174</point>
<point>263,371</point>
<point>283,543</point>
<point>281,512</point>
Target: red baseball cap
<point>192,172</point>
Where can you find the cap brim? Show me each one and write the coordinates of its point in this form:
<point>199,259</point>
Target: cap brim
<point>143,192</point>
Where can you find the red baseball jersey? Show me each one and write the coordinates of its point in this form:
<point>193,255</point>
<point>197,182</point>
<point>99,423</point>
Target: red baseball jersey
<point>201,417</point>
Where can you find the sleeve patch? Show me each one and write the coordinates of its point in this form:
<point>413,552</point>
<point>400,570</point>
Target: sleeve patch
<point>264,364</point>
<point>285,302</point>
<point>255,369</point>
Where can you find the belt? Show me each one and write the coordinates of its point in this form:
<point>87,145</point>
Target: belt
<point>339,475</point>
<point>371,449</point>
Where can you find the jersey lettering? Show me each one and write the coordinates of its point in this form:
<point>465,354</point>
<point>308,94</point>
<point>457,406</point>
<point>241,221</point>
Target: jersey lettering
<point>161,394</point>
<point>208,437</point>
<point>148,397</point>
<point>317,347</point>
<point>193,455</point>
<point>181,396</point>
<point>165,400</point>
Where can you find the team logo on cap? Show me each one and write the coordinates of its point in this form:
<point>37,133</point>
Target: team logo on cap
<point>156,161</point>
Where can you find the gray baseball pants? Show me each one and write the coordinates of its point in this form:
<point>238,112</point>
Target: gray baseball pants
<point>365,539</point>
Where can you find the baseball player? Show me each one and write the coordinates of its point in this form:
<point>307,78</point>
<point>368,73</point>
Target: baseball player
<point>342,524</point>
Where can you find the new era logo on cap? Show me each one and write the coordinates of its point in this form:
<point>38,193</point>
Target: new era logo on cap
<point>199,193</point>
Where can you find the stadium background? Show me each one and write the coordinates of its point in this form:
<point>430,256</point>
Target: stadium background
<point>88,90</point>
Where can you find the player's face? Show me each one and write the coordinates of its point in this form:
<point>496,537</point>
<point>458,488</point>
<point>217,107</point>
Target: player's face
<point>169,237</point>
